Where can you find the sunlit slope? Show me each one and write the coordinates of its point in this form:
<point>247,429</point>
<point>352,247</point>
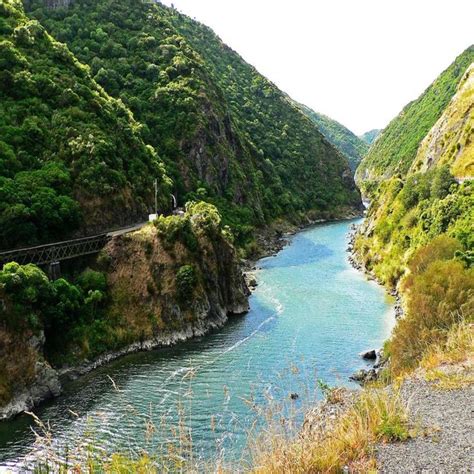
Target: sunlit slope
<point>397,146</point>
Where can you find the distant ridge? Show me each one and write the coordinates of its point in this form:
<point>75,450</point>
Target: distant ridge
<point>349,144</point>
<point>370,136</point>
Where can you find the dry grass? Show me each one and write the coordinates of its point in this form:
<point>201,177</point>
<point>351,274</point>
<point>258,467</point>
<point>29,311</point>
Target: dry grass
<point>459,347</point>
<point>449,366</point>
<point>375,416</point>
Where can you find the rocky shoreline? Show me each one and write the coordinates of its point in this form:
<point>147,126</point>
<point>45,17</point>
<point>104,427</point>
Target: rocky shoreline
<point>364,376</point>
<point>358,265</point>
<point>49,381</point>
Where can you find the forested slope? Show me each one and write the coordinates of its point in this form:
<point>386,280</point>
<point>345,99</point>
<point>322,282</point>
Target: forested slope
<point>396,147</point>
<point>226,133</point>
<point>71,158</point>
<point>370,136</point>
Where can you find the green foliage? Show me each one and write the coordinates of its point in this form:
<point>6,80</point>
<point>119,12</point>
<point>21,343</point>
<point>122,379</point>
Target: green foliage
<point>442,182</point>
<point>64,142</point>
<point>185,282</point>
<point>396,147</point>
<point>90,280</point>
<point>27,293</point>
<point>172,229</point>
<point>413,213</point>
<point>370,136</point>
<point>227,134</point>
<point>204,216</point>
<point>62,308</point>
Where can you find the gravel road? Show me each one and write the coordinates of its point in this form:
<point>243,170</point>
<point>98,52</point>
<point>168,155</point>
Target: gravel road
<point>447,417</point>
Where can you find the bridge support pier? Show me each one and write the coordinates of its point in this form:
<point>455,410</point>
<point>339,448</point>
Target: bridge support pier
<point>54,270</point>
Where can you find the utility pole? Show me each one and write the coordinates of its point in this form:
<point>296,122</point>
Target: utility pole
<point>155,183</point>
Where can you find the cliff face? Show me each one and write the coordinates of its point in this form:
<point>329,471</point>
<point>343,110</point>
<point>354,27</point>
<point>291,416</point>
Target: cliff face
<point>158,286</point>
<point>26,377</point>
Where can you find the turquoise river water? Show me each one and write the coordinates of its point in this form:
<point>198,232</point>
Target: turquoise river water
<point>310,316</point>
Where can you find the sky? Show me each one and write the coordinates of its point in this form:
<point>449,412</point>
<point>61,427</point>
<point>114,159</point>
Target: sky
<point>358,61</point>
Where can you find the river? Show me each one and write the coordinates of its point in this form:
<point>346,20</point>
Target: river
<point>310,316</point>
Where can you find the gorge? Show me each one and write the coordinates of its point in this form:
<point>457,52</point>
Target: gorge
<point>150,353</point>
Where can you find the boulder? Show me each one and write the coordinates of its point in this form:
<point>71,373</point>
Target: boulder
<point>364,376</point>
<point>369,355</point>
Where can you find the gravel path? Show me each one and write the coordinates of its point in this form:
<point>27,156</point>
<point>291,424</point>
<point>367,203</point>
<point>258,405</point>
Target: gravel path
<point>448,446</point>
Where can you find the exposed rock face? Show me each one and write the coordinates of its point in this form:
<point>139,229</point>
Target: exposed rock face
<point>46,385</point>
<point>145,295</point>
<point>364,376</point>
<point>36,381</point>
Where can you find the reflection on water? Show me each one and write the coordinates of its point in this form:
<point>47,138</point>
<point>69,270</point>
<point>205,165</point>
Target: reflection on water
<point>311,311</point>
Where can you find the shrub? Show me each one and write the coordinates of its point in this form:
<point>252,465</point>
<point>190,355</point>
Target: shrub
<point>175,228</point>
<point>438,298</point>
<point>90,280</point>
<point>440,248</point>
<point>203,215</point>
<point>185,282</point>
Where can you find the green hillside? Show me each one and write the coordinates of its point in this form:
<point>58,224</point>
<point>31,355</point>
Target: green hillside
<point>72,159</point>
<point>349,144</point>
<point>396,147</point>
<point>426,201</point>
<point>226,133</point>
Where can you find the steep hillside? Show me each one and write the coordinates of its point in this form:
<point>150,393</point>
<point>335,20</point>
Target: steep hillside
<point>451,140</point>
<point>370,136</point>
<point>396,147</point>
<point>71,158</point>
<point>225,132</point>
<point>426,201</point>
<point>418,237</point>
<point>350,145</point>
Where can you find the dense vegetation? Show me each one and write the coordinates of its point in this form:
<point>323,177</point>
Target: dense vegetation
<point>396,147</point>
<point>71,157</point>
<point>419,235</point>
<point>440,296</point>
<point>450,141</point>
<point>350,145</point>
<point>31,303</point>
<point>370,136</point>
<point>226,133</point>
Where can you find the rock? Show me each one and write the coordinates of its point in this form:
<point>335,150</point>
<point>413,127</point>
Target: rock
<point>251,280</point>
<point>45,386</point>
<point>364,376</point>
<point>369,355</point>
<point>294,396</point>
<point>252,283</point>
